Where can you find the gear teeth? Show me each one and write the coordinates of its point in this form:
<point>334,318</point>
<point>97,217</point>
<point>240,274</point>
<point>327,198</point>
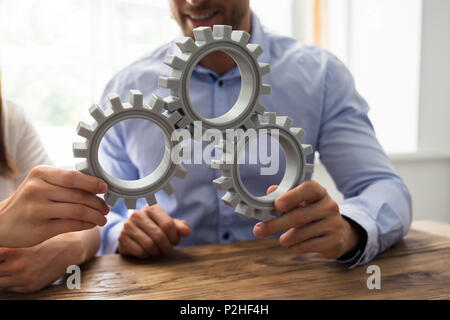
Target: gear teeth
<point>97,113</point>
<point>309,168</point>
<point>285,122</point>
<point>307,149</point>
<point>266,89</point>
<point>245,210</point>
<point>156,104</point>
<point>249,124</point>
<point>174,118</point>
<point>184,122</point>
<point>299,133</point>
<point>219,165</point>
<point>175,62</point>
<point>276,213</point>
<point>269,118</point>
<point>265,214</point>
<point>203,34</point>
<point>168,189</point>
<point>255,49</point>
<point>231,199</point>
<point>169,82</point>
<point>172,103</point>
<point>80,150</point>
<point>240,36</point>
<point>130,203</point>
<point>84,130</point>
<point>264,68</point>
<point>116,104</point>
<point>151,199</point>
<point>111,199</point>
<point>222,31</point>
<point>84,167</point>
<point>136,99</point>
<point>186,45</point>
<point>260,109</point>
<point>180,172</point>
<point>223,183</point>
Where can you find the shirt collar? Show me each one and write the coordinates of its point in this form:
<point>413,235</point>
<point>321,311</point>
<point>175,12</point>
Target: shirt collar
<point>258,36</point>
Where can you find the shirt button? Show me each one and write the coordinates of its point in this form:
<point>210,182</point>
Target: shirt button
<point>220,83</point>
<point>226,236</point>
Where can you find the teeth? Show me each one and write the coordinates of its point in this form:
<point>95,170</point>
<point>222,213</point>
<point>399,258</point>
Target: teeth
<point>201,16</point>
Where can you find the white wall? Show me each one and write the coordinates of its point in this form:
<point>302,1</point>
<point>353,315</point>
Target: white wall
<point>426,173</point>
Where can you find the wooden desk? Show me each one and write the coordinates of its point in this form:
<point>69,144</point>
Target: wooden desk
<point>416,268</point>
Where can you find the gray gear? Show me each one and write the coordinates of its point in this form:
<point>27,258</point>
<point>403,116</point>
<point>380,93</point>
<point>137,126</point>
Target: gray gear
<point>237,195</point>
<point>234,43</point>
<point>146,187</point>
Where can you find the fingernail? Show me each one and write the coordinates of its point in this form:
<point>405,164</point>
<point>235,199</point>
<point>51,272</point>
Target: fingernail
<point>281,205</point>
<point>258,229</point>
<point>102,187</point>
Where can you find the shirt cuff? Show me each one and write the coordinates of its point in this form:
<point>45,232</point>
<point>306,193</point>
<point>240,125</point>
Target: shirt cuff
<point>110,237</point>
<point>362,218</point>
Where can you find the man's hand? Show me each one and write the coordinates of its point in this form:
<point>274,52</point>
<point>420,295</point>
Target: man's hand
<point>151,232</point>
<point>313,223</point>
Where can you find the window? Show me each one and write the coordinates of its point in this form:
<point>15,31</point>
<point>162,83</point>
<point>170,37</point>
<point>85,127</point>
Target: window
<point>57,55</point>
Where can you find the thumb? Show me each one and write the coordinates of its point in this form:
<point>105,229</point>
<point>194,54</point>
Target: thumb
<point>271,189</point>
<point>183,227</point>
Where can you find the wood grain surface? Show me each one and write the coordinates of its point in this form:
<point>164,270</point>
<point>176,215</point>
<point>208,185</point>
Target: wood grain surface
<point>416,268</point>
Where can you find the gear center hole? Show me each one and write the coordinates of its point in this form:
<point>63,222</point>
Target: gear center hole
<point>272,158</point>
<point>225,92</point>
<point>113,153</point>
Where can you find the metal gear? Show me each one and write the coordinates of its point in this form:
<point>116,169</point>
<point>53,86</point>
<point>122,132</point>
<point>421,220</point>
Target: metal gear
<point>146,187</point>
<point>235,43</point>
<point>237,195</point>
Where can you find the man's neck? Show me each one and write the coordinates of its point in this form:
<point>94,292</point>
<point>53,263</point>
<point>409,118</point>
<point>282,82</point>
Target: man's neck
<point>219,61</point>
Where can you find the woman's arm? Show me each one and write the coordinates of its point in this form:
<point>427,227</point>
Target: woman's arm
<point>31,269</point>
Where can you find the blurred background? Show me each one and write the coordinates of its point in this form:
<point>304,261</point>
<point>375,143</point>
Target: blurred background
<point>57,55</point>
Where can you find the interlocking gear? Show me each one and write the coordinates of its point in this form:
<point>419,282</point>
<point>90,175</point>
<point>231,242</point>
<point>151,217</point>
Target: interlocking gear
<point>237,195</point>
<point>146,187</point>
<point>234,43</point>
<point>247,113</point>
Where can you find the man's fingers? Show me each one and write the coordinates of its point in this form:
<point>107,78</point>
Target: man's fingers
<point>294,218</point>
<point>70,179</point>
<point>128,246</point>
<point>70,211</point>
<point>183,227</point>
<point>308,191</point>
<point>319,244</point>
<point>271,189</point>
<point>309,231</point>
<point>75,196</point>
<point>141,238</point>
<point>164,222</point>
<point>155,233</point>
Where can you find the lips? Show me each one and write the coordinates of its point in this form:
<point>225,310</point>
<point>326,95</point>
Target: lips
<point>203,18</point>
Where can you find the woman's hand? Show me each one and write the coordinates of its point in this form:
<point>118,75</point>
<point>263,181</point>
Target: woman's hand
<point>49,202</point>
<point>31,269</point>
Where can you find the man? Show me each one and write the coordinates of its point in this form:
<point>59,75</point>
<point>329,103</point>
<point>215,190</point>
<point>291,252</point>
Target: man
<point>309,85</point>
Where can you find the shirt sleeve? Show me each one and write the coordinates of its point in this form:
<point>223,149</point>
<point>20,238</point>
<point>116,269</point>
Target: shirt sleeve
<point>375,197</point>
<point>29,151</point>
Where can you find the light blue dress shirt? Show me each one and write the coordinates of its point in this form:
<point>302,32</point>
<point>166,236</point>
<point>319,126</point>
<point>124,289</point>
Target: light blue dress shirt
<point>311,86</point>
